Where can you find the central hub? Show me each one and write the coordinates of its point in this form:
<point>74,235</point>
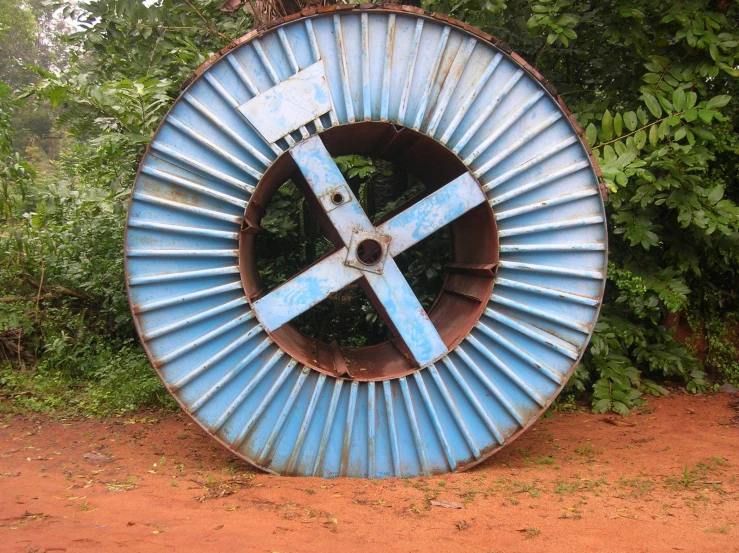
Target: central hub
<point>367,251</point>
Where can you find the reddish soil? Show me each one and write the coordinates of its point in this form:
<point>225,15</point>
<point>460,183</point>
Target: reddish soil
<point>665,479</point>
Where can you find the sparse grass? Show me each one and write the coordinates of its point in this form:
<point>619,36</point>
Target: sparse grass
<point>637,487</point>
<point>691,476</point>
<point>470,494</point>
<point>566,488</point>
<point>519,487</point>
<point>723,529</point>
<point>84,506</point>
<point>525,453</point>
<point>592,485</point>
<point>563,487</point>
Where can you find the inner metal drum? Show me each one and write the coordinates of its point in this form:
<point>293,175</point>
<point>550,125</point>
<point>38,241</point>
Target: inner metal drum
<point>504,165</point>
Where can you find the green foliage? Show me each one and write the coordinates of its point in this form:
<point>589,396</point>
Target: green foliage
<point>67,336</point>
<point>18,41</point>
<point>722,345</point>
<point>28,41</point>
<point>652,82</point>
<point>14,172</point>
<point>88,374</point>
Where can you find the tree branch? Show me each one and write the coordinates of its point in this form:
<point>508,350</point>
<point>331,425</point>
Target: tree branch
<point>637,130</point>
<point>207,23</point>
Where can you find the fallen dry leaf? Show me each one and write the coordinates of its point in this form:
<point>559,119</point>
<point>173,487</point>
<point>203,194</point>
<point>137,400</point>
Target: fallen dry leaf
<point>97,457</point>
<point>218,490</point>
<point>618,422</point>
<point>231,6</point>
<point>447,504</point>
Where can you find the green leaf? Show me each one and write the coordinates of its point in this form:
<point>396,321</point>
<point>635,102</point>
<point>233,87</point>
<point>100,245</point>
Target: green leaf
<point>618,124</point>
<point>678,99</point>
<point>665,103</point>
<point>606,130</point>
<point>630,120</point>
<point>652,105</point>
<point>690,115</point>
<point>680,133</point>
<point>620,408</point>
<point>602,405</point>
<point>640,139</point>
<point>651,78</point>
<point>609,154</point>
<point>653,136</point>
<point>716,194</point>
<point>718,101</point>
<point>691,99</point>
<point>591,134</point>
<point>713,51</point>
<point>703,133</point>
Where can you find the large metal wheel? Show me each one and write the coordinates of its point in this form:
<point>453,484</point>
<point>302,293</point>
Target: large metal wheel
<point>503,165</point>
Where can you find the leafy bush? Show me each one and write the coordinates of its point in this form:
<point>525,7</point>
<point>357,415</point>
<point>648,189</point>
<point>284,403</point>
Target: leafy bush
<point>67,333</point>
<point>652,82</point>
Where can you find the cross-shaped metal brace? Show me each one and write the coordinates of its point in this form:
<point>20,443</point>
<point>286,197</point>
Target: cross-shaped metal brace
<point>368,252</point>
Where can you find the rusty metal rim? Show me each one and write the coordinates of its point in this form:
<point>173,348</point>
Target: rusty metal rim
<point>461,299</point>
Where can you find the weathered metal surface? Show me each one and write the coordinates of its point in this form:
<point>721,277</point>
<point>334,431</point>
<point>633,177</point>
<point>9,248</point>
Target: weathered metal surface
<point>505,167</point>
<point>290,104</point>
<point>387,282</point>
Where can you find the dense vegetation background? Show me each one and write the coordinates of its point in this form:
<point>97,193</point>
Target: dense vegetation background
<point>83,86</point>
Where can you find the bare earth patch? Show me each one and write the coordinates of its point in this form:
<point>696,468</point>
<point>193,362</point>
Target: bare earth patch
<point>666,479</point>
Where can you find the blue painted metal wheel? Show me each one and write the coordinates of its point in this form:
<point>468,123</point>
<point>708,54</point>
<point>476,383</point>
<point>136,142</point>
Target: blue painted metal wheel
<point>504,167</point>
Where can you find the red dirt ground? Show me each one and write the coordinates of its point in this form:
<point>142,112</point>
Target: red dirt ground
<point>666,479</point>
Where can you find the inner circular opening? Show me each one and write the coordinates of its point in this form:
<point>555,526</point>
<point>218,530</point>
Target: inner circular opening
<point>369,251</point>
<point>346,335</point>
